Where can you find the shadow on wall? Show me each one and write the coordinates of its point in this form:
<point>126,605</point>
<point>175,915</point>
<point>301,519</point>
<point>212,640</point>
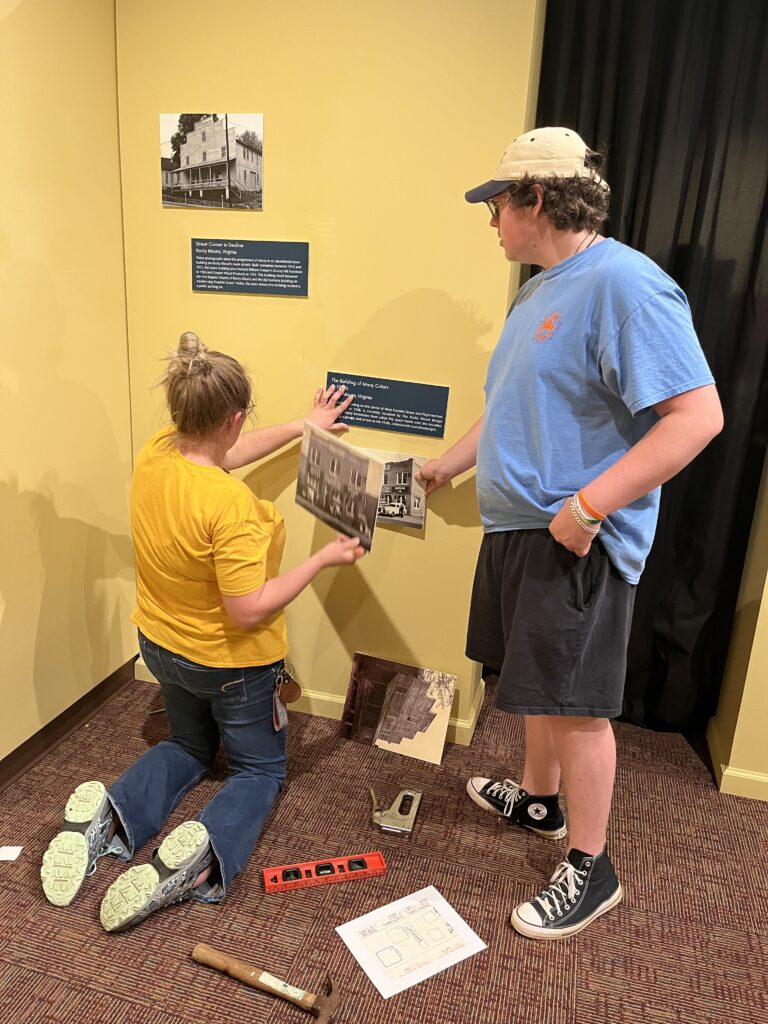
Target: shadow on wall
<point>404,340</point>
<point>65,527</point>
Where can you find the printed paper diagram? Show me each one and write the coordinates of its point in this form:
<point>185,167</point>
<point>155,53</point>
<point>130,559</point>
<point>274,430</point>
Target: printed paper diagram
<point>410,940</point>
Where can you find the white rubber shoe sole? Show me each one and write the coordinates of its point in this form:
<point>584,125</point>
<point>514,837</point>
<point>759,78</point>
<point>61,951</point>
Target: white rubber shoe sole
<point>65,862</point>
<point>140,890</point>
<point>533,931</point>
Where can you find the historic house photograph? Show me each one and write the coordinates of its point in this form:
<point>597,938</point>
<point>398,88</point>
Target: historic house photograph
<point>213,161</point>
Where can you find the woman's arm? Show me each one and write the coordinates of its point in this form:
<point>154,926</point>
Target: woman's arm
<point>257,444</point>
<point>248,610</point>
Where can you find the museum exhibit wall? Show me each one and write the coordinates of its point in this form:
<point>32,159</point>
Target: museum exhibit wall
<point>377,118</point>
<point>66,579</point>
<point>736,733</point>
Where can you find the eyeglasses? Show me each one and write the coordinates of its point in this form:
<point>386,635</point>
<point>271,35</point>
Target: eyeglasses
<point>497,204</point>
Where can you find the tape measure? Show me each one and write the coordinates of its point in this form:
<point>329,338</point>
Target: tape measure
<point>321,872</point>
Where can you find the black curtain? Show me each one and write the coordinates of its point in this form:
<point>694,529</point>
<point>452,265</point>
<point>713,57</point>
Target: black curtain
<point>675,92</point>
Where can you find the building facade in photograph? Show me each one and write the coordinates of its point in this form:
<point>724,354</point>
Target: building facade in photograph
<point>397,491</point>
<point>334,482</point>
<point>217,167</point>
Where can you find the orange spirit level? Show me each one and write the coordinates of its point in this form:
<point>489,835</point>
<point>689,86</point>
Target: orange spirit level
<point>320,872</point>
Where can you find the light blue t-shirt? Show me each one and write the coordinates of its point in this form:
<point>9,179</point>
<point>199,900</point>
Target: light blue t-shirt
<point>587,349</point>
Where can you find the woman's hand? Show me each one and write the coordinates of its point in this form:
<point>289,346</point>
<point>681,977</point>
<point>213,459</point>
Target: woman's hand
<point>327,407</point>
<point>342,551</point>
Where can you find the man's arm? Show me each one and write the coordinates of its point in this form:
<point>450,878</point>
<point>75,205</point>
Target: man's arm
<point>257,444</point>
<point>459,458</point>
<point>688,423</point>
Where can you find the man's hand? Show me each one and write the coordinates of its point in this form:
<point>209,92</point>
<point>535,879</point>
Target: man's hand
<point>342,551</point>
<point>327,407</point>
<point>432,476</point>
<point>567,532</point>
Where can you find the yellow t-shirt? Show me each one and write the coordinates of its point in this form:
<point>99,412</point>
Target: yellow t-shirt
<point>200,533</point>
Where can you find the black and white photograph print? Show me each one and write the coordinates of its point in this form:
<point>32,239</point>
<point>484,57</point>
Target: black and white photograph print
<point>212,161</point>
<point>397,707</point>
<point>402,501</point>
<point>339,484</point>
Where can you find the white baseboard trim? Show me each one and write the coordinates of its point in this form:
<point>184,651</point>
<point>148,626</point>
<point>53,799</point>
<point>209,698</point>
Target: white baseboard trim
<point>327,705</point>
<point>461,730</point>
<point>734,781</point>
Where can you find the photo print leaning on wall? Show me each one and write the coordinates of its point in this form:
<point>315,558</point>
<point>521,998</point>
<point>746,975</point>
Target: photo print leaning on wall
<point>398,707</point>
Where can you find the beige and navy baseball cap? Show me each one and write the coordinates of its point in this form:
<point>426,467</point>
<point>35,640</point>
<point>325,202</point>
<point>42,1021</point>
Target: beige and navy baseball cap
<point>541,153</point>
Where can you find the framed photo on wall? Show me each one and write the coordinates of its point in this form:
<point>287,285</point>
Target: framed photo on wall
<point>212,161</point>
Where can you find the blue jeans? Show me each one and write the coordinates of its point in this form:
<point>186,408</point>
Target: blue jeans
<point>205,706</point>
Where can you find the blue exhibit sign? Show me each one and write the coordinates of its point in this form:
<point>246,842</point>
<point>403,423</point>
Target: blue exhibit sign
<point>253,268</point>
<point>401,406</point>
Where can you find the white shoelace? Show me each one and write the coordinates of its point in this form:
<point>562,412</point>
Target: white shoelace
<point>562,891</point>
<point>508,791</point>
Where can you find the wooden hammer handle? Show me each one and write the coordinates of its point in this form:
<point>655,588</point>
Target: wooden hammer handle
<point>252,976</point>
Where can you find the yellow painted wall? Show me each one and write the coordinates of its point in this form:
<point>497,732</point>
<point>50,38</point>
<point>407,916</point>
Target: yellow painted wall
<point>737,733</point>
<point>66,587</point>
<point>377,118</point>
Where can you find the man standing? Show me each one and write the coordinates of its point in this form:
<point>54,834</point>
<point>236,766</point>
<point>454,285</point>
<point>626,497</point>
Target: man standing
<point>596,394</point>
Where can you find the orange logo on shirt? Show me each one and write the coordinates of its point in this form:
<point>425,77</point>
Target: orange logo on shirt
<point>547,327</point>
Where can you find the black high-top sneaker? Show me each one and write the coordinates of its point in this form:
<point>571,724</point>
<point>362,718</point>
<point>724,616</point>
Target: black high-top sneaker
<point>540,814</point>
<point>582,888</point>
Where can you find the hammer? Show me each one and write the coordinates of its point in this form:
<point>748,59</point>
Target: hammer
<point>322,1006</point>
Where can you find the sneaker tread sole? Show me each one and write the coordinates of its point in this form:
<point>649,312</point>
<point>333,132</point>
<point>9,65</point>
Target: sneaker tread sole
<point>129,897</point>
<point>84,802</point>
<point>182,844</point>
<point>65,862</point>
<point>534,932</point>
<point>63,869</point>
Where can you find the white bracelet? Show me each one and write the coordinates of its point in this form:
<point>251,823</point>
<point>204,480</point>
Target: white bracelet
<point>584,514</point>
<point>575,508</point>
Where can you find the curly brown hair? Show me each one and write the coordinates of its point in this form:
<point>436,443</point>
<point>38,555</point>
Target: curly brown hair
<point>571,204</point>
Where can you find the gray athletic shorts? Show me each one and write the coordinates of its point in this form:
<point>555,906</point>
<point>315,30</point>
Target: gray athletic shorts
<point>556,626</point>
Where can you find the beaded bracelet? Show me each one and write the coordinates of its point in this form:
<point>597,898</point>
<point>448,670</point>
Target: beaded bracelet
<point>574,507</point>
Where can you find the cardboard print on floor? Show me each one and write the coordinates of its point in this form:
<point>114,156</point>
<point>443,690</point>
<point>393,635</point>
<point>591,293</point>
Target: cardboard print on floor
<point>339,484</point>
<point>212,161</point>
<point>398,707</point>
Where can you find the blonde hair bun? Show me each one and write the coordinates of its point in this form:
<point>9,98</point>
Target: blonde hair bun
<point>192,355</point>
<point>203,387</point>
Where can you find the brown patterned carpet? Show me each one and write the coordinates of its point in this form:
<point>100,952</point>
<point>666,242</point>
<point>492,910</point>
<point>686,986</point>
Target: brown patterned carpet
<point>689,943</point>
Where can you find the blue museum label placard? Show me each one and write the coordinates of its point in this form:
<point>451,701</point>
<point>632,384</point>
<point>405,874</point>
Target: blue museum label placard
<point>401,406</point>
<point>247,267</point>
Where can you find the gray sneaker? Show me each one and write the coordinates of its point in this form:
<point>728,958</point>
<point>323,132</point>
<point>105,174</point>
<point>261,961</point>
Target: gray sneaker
<point>73,852</point>
<point>176,865</point>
